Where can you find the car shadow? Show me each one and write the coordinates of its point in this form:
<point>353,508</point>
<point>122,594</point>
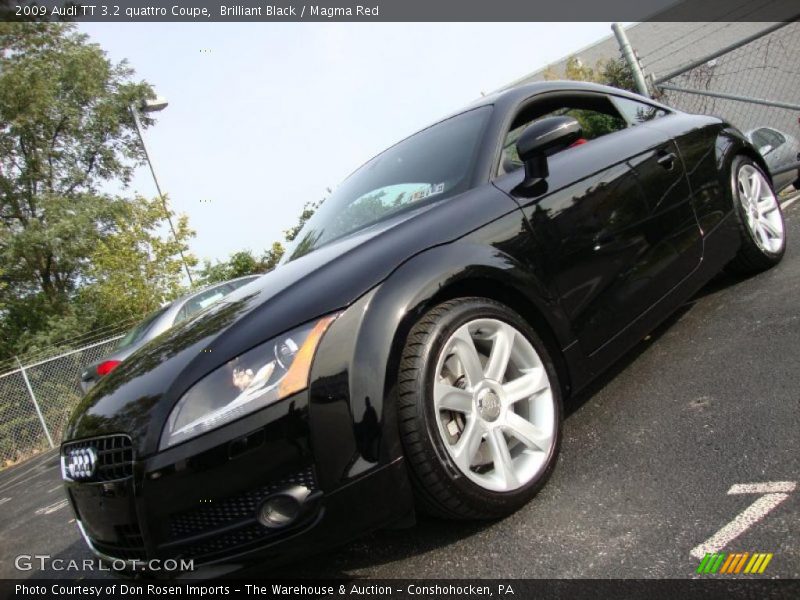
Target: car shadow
<point>719,283</point>
<point>377,548</point>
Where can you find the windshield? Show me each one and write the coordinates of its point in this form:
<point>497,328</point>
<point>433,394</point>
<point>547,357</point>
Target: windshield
<point>431,165</point>
<point>139,331</point>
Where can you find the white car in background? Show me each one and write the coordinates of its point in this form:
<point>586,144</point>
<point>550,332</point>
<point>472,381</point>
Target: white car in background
<point>779,149</point>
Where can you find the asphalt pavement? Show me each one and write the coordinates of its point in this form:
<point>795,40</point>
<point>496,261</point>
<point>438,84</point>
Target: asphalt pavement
<point>655,468</point>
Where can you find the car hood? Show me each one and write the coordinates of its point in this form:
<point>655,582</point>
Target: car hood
<point>137,397</point>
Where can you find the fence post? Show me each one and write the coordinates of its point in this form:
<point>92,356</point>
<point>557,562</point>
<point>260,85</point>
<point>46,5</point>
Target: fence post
<point>631,59</point>
<point>35,403</point>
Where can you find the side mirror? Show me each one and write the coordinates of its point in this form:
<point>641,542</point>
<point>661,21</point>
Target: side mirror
<point>765,149</point>
<point>542,138</point>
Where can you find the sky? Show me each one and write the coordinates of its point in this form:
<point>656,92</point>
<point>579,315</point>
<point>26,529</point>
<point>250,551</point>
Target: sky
<point>264,117</point>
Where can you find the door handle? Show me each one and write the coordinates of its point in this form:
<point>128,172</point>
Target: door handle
<point>667,160</point>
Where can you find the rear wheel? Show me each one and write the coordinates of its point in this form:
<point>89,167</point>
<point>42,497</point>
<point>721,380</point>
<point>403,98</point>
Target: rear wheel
<point>480,410</point>
<point>761,226</point>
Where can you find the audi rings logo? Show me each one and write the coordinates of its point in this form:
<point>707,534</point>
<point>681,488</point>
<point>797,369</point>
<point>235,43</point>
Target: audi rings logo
<point>80,463</point>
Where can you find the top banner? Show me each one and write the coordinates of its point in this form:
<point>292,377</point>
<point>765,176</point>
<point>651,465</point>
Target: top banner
<point>398,10</point>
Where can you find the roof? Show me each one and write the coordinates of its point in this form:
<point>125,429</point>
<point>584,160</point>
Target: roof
<point>514,95</point>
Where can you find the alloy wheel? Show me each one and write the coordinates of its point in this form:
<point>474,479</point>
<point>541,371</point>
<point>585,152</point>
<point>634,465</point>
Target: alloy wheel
<point>761,209</point>
<point>494,405</point>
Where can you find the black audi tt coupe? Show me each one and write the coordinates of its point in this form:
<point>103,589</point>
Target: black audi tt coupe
<point>413,350</point>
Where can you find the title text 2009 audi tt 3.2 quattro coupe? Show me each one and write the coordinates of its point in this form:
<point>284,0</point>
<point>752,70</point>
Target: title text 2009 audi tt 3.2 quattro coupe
<point>414,349</point>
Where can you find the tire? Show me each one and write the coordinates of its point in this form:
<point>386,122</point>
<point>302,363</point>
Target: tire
<point>762,247</point>
<point>430,434</point>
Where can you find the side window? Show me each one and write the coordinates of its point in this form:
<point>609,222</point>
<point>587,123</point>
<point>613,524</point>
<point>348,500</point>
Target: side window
<point>766,140</point>
<point>775,138</point>
<point>595,113</point>
<point>200,301</point>
<point>760,139</point>
<point>637,113</point>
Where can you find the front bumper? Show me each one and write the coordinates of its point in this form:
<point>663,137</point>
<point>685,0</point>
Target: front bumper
<point>199,500</point>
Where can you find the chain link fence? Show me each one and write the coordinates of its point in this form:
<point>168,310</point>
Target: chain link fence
<point>753,83</point>
<point>37,398</point>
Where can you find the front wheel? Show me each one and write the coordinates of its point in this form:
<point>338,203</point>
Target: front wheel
<point>480,410</point>
<point>761,226</point>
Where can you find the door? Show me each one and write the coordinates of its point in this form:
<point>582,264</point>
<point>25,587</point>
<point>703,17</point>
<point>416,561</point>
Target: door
<point>616,223</point>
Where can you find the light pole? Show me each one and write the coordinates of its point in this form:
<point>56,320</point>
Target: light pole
<point>154,106</point>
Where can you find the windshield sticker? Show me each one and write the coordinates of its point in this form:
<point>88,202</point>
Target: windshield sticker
<point>427,192</point>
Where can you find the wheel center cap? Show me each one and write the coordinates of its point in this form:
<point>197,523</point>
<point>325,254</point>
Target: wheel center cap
<point>488,404</point>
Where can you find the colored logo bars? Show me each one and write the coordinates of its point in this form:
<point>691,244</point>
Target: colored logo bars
<point>734,563</point>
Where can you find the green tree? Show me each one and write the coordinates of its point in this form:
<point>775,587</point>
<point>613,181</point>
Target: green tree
<point>309,208</point>
<point>271,257</point>
<point>240,264</point>
<point>135,269</point>
<point>245,262</point>
<point>613,71</point>
<point>575,70</point>
<point>131,271</point>
<point>65,131</point>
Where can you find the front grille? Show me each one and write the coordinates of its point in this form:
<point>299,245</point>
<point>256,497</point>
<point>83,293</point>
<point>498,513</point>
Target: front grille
<point>233,510</point>
<point>114,456</point>
<point>129,546</point>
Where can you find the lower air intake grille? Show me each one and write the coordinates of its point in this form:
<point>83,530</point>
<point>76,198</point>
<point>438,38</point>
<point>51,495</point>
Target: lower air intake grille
<point>234,509</point>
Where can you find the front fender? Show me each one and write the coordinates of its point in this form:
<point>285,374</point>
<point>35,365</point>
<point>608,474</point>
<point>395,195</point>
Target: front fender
<point>352,400</point>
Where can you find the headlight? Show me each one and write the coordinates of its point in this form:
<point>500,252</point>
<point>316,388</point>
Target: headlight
<point>257,378</point>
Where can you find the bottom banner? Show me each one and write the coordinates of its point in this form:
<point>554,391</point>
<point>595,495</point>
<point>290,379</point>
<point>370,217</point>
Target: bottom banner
<point>574,589</point>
